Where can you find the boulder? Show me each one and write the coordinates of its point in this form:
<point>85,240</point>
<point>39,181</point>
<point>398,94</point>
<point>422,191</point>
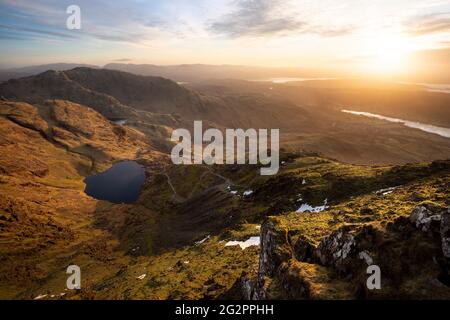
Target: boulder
<point>335,249</point>
<point>425,218</point>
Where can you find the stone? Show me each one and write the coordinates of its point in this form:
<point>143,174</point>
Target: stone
<point>303,249</point>
<point>424,219</point>
<point>445,233</point>
<point>336,248</point>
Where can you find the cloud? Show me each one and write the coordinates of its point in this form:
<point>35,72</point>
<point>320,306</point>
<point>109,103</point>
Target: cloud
<point>428,24</point>
<point>257,18</point>
<point>37,31</point>
<point>331,32</point>
<point>102,19</point>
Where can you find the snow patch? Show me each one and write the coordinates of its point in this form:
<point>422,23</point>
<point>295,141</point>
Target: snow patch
<point>308,208</point>
<point>252,241</point>
<point>142,276</point>
<point>386,191</point>
<point>203,240</point>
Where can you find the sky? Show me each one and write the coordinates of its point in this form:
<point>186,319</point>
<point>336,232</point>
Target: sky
<point>374,35</point>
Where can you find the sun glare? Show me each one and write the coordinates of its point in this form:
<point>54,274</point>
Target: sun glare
<point>389,55</point>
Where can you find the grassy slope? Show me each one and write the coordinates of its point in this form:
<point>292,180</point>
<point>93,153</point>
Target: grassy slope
<point>176,267</point>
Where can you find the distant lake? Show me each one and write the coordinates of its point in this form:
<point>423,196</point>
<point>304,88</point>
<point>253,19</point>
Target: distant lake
<point>443,88</point>
<point>432,87</point>
<point>441,131</point>
<point>119,184</point>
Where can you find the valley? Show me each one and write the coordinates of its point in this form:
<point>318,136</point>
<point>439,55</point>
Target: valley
<point>220,231</point>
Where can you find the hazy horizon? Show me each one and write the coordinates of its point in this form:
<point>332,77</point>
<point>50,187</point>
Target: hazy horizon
<point>379,39</point>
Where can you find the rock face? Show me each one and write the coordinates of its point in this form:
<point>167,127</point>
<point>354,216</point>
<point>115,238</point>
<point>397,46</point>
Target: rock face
<point>423,218</point>
<point>282,276</point>
<point>274,251</point>
<point>294,266</point>
<point>336,248</point>
<point>445,233</point>
<point>304,249</point>
<point>435,219</point>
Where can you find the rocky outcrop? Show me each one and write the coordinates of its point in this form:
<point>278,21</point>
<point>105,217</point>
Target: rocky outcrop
<point>274,251</point>
<point>304,249</point>
<point>336,248</point>
<point>283,275</point>
<point>445,233</point>
<point>424,218</point>
<point>434,219</point>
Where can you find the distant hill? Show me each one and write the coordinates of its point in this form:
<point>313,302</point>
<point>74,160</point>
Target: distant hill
<point>15,73</point>
<point>308,118</point>
<point>201,72</point>
<point>117,94</point>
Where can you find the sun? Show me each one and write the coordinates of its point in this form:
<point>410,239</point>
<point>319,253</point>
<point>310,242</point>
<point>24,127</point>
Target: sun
<point>389,55</point>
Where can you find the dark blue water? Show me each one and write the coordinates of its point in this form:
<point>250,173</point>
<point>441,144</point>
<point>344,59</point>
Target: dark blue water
<point>119,184</point>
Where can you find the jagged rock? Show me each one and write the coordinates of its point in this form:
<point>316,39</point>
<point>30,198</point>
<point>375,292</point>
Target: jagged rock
<point>247,286</point>
<point>445,233</point>
<point>424,218</point>
<point>336,248</point>
<point>275,250</point>
<point>303,249</point>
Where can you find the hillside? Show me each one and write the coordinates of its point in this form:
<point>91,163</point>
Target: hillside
<point>172,243</point>
<point>309,119</point>
<point>117,94</point>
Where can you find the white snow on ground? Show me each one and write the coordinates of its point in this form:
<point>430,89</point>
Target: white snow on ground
<point>233,192</point>
<point>247,193</point>
<point>203,240</point>
<point>386,191</point>
<point>304,181</point>
<point>41,296</point>
<point>252,241</point>
<point>141,277</point>
<point>308,208</point>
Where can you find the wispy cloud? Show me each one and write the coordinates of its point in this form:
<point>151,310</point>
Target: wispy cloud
<point>36,31</point>
<point>101,20</point>
<point>258,18</point>
<point>428,24</point>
